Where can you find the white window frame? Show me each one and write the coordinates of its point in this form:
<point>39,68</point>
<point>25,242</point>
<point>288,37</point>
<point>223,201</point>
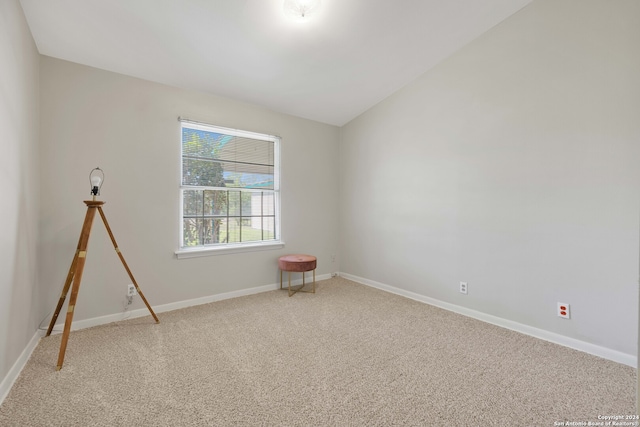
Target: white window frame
<point>228,248</point>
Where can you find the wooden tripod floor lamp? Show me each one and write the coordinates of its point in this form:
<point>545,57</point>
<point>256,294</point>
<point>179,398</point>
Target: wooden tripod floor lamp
<point>77,265</point>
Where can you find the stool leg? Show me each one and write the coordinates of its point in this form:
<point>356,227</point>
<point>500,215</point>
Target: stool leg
<point>314,281</point>
<point>289,273</point>
<point>280,279</point>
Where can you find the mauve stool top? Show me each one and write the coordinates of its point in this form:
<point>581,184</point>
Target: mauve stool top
<point>297,262</point>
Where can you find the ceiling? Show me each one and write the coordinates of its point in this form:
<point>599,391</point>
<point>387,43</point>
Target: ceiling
<point>330,68</point>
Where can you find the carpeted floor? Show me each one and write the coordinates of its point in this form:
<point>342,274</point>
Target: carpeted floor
<point>349,355</point>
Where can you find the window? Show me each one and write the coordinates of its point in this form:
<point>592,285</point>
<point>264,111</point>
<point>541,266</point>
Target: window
<point>229,189</point>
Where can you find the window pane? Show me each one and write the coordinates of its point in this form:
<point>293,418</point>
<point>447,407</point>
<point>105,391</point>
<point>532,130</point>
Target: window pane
<point>238,175</point>
<point>234,203</point>
<point>215,202</point>
<point>211,231</point>
<point>268,204</point>
<point>204,173</point>
<point>191,232</point>
<point>192,203</point>
<point>245,207</point>
<point>198,231</point>
<point>269,228</point>
<point>247,150</point>
<point>233,225</point>
<point>252,230</point>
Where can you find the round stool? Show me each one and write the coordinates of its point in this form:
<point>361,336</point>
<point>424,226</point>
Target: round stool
<point>298,263</point>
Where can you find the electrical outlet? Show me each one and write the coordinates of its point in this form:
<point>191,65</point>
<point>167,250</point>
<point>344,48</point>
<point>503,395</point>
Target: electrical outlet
<point>463,288</point>
<point>564,310</point>
<point>334,274</point>
<point>333,257</point>
<point>131,290</point>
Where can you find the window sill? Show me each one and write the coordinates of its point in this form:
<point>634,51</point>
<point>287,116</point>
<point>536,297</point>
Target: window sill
<point>227,249</point>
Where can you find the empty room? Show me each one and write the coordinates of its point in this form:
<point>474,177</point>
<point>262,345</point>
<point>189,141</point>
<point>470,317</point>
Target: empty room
<point>319,212</point>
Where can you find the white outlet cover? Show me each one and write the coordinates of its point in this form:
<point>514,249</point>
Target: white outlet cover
<point>463,287</point>
<point>564,310</point>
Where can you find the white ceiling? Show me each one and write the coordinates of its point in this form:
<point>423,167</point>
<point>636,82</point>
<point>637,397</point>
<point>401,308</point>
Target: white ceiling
<point>330,68</point>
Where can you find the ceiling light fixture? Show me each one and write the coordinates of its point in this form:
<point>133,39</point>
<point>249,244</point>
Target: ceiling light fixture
<point>300,9</point>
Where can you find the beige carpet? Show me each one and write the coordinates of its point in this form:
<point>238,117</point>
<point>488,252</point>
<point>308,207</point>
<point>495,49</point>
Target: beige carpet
<point>347,356</point>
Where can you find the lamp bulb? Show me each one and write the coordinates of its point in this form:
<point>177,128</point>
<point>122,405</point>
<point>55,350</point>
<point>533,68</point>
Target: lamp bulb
<point>95,181</point>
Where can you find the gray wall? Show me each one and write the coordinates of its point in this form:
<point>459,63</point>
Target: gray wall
<point>19,186</point>
<point>513,165</point>
<point>129,128</point>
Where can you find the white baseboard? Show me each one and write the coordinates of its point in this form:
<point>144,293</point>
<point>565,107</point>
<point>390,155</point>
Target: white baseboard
<point>12,375</point>
<point>606,353</point>
<point>141,312</point>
